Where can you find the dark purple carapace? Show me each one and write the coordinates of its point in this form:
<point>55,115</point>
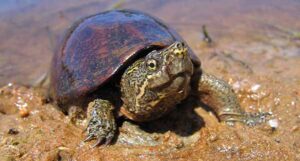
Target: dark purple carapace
<point>97,47</point>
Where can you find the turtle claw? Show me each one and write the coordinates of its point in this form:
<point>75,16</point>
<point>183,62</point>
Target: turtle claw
<point>230,118</point>
<point>98,142</point>
<point>108,140</point>
<point>232,121</point>
<point>88,138</point>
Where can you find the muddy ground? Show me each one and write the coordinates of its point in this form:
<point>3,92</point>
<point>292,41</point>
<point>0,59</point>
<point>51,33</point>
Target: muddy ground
<point>256,48</point>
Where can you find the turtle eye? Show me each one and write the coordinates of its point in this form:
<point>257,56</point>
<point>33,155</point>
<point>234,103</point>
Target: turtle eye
<point>151,64</point>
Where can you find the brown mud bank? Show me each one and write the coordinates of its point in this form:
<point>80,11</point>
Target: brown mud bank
<point>256,48</point>
<point>32,129</point>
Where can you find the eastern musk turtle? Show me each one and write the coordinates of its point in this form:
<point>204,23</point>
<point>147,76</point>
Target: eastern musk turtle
<point>128,61</point>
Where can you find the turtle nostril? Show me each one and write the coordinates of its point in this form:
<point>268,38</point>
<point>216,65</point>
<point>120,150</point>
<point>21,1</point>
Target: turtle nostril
<point>179,45</point>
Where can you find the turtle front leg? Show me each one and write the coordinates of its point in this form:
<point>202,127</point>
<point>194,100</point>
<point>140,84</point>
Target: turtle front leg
<point>220,96</point>
<point>102,125</point>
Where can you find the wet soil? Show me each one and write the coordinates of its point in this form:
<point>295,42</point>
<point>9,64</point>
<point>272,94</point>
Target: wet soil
<point>256,48</point>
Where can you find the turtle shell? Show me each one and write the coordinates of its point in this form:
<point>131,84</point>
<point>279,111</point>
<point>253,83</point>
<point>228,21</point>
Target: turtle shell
<point>97,47</point>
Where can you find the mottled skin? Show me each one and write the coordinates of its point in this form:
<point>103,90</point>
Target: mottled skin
<point>153,85</point>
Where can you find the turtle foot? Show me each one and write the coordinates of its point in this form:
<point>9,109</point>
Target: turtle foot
<point>102,125</point>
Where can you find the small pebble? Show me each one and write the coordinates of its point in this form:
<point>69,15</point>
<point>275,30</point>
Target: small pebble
<point>277,140</point>
<point>23,112</point>
<point>13,131</point>
<point>273,123</point>
<point>255,87</point>
<point>293,103</point>
<point>277,101</point>
<point>213,137</point>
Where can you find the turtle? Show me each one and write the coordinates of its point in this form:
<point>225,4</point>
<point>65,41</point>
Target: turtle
<point>130,63</point>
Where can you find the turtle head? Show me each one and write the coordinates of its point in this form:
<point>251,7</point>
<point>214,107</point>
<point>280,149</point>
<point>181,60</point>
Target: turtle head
<point>153,85</point>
